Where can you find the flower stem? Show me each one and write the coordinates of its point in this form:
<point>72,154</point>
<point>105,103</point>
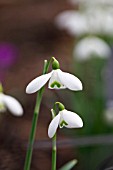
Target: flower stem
<point>34,122</point>
<point>54,152</point>
<point>54,148</point>
<point>33,131</point>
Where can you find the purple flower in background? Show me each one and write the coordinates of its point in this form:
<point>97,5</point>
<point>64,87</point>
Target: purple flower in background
<point>8,56</point>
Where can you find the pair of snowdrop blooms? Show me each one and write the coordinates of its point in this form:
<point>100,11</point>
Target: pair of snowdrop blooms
<point>10,103</point>
<point>58,80</point>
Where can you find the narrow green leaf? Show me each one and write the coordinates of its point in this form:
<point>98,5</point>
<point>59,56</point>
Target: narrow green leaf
<point>69,165</point>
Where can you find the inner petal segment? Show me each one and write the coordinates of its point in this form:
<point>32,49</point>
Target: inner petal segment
<point>55,82</point>
<point>63,124</point>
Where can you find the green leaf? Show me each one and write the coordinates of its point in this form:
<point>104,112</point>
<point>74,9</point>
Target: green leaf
<point>69,165</point>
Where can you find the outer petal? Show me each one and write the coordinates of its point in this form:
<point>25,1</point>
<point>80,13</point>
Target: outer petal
<point>53,126</point>
<point>37,83</point>
<point>72,119</point>
<point>13,105</point>
<point>70,81</point>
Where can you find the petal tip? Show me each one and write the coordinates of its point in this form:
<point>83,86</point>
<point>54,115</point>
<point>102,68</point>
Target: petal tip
<point>81,124</point>
<point>19,114</point>
<point>29,90</point>
<point>49,134</point>
<point>80,86</point>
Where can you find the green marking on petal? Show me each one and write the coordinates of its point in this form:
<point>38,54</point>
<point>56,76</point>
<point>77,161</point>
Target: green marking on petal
<point>55,83</point>
<point>62,124</point>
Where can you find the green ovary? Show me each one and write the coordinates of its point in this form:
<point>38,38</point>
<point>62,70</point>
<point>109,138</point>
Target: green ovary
<point>55,83</point>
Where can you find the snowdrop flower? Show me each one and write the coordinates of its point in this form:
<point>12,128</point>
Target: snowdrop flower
<point>10,103</point>
<point>89,47</point>
<point>66,119</point>
<point>57,80</point>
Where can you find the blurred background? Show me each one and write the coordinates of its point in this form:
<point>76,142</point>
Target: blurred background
<point>79,33</point>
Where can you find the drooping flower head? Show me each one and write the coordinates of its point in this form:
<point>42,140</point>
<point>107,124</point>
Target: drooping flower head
<point>10,103</point>
<point>64,118</point>
<point>57,80</point>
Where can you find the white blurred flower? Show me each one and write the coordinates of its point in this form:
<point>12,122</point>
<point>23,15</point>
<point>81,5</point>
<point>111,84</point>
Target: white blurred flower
<point>74,22</point>
<point>108,116</point>
<point>58,80</point>
<point>91,46</point>
<point>93,20</point>
<point>66,119</point>
<point>99,20</point>
<point>108,113</point>
<point>10,103</point>
<point>92,2</point>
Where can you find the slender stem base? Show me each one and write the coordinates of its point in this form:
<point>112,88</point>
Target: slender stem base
<point>54,150</point>
<point>33,131</point>
<point>34,121</point>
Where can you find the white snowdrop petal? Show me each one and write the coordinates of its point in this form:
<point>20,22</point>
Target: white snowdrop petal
<point>53,126</point>
<point>70,81</point>
<point>13,105</point>
<point>72,119</point>
<point>37,83</point>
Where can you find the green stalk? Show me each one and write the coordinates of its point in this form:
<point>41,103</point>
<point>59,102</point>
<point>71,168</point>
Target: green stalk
<point>54,152</point>
<point>34,122</point>
<point>54,148</point>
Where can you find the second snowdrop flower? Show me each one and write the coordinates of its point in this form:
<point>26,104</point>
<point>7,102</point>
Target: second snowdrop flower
<point>64,118</point>
<point>57,80</point>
